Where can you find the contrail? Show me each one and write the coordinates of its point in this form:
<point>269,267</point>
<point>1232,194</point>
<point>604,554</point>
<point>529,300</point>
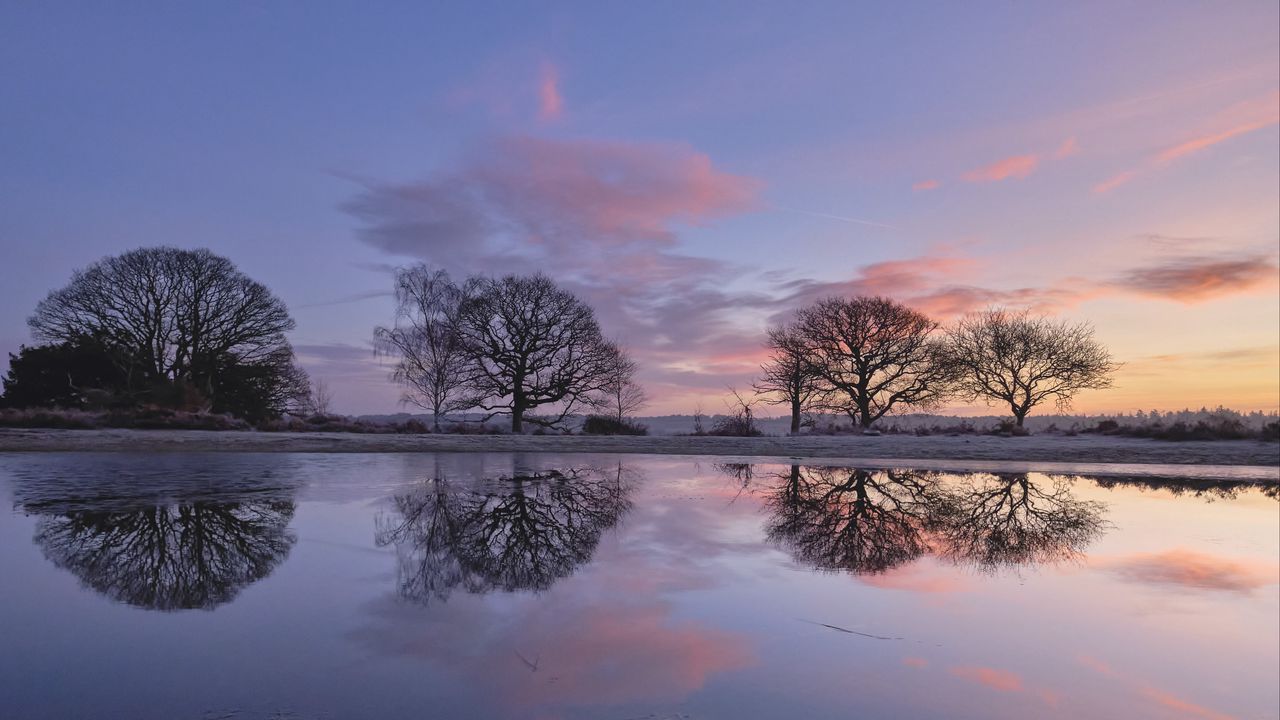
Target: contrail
<point>836,217</point>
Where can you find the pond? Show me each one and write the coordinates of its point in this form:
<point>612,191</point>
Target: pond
<point>618,587</point>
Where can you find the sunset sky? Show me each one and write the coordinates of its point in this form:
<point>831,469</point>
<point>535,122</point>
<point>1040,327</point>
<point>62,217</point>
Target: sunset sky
<point>694,170</point>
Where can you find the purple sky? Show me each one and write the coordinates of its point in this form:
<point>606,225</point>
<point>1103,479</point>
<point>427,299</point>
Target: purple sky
<point>695,170</point>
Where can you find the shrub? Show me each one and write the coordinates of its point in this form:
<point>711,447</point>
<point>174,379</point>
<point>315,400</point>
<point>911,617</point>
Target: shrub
<point>605,425</point>
<point>739,425</point>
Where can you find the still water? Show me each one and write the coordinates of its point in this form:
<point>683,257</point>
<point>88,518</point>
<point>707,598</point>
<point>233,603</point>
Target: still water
<point>619,587</point>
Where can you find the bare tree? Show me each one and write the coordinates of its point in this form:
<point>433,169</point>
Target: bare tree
<point>1021,360</point>
<point>621,395</point>
<point>321,398</point>
<point>872,354</point>
<point>432,364</point>
<point>788,378</point>
<point>532,344</point>
<point>741,420</point>
<point>698,417</point>
<point>176,316</point>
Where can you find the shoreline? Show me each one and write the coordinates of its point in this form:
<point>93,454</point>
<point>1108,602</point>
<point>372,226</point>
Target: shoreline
<point>1040,449</point>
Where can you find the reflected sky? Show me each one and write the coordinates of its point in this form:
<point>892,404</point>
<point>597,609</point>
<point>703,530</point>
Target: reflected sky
<point>545,586</point>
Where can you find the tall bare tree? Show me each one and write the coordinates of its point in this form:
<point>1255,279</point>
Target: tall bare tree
<point>178,316</point>
<point>871,355</point>
<point>321,398</point>
<point>1023,360</point>
<point>532,344</point>
<point>621,396</point>
<point>788,378</point>
<point>432,364</point>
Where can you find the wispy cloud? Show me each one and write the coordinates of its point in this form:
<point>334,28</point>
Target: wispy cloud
<point>842,218</point>
<point>1068,148</point>
<point>1206,141</point>
<point>926,185</point>
<point>1240,119</point>
<point>1183,706</point>
<point>550,101</point>
<point>1193,279</point>
<point>1017,166</point>
<point>1115,181</point>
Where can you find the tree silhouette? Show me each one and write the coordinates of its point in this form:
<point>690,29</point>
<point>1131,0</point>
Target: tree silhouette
<point>1021,360</point>
<point>532,344</point>
<point>1001,520</point>
<point>170,556</point>
<point>854,520</point>
<point>788,377</point>
<point>179,320</point>
<point>872,354</point>
<point>519,533</point>
<point>431,363</point>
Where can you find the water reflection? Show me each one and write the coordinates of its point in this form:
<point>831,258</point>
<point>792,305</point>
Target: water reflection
<point>161,542</point>
<point>995,520</point>
<point>524,532</point>
<point>843,519</point>
<point>871,521</point>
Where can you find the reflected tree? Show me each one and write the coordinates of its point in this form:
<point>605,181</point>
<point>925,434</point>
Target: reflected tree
<point>872,521</point>
<point>519,533</point>
<point>854,520</point>
<point>179,556</point>
<point>1003,520</point>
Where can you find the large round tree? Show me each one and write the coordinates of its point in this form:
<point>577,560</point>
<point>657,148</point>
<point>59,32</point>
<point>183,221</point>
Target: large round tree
<point>185,319</point>
<point>1021,360</point>
<point>532,344</point>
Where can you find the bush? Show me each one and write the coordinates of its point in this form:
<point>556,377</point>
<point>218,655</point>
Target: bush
<point>605,425</point>
<point>735,426</point>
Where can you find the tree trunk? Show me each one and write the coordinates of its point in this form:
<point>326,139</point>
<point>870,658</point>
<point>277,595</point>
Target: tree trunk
<point>517,416</point>
<point>795,417</point>
<point>1019,416</point>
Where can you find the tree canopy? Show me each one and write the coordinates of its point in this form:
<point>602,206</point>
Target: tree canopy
<point>161,322</point>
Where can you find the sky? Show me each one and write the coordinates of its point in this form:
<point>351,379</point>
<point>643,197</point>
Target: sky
<point>696,171</point>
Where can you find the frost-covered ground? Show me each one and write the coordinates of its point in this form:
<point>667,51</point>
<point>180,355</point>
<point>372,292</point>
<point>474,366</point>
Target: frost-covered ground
<point>977,452</point>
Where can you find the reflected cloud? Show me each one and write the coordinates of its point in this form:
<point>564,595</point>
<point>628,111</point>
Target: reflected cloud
<point>1194,570</point>
<point>1001,680</point>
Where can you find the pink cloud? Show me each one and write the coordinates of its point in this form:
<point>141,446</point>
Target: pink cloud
<point>1180,705</point>
<point>1198,571</point>
<point>1068,148</point>
<point>915,662</point>
<point>1001,680</point>
<point>1115,181</point>
<point>1195,279</point>
<point>1240,119</point>
<point>1096,665</point>
<point>550,101</point>
<point>926,185</point>
<point>1018,166</point>
<point>1205,141</point>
